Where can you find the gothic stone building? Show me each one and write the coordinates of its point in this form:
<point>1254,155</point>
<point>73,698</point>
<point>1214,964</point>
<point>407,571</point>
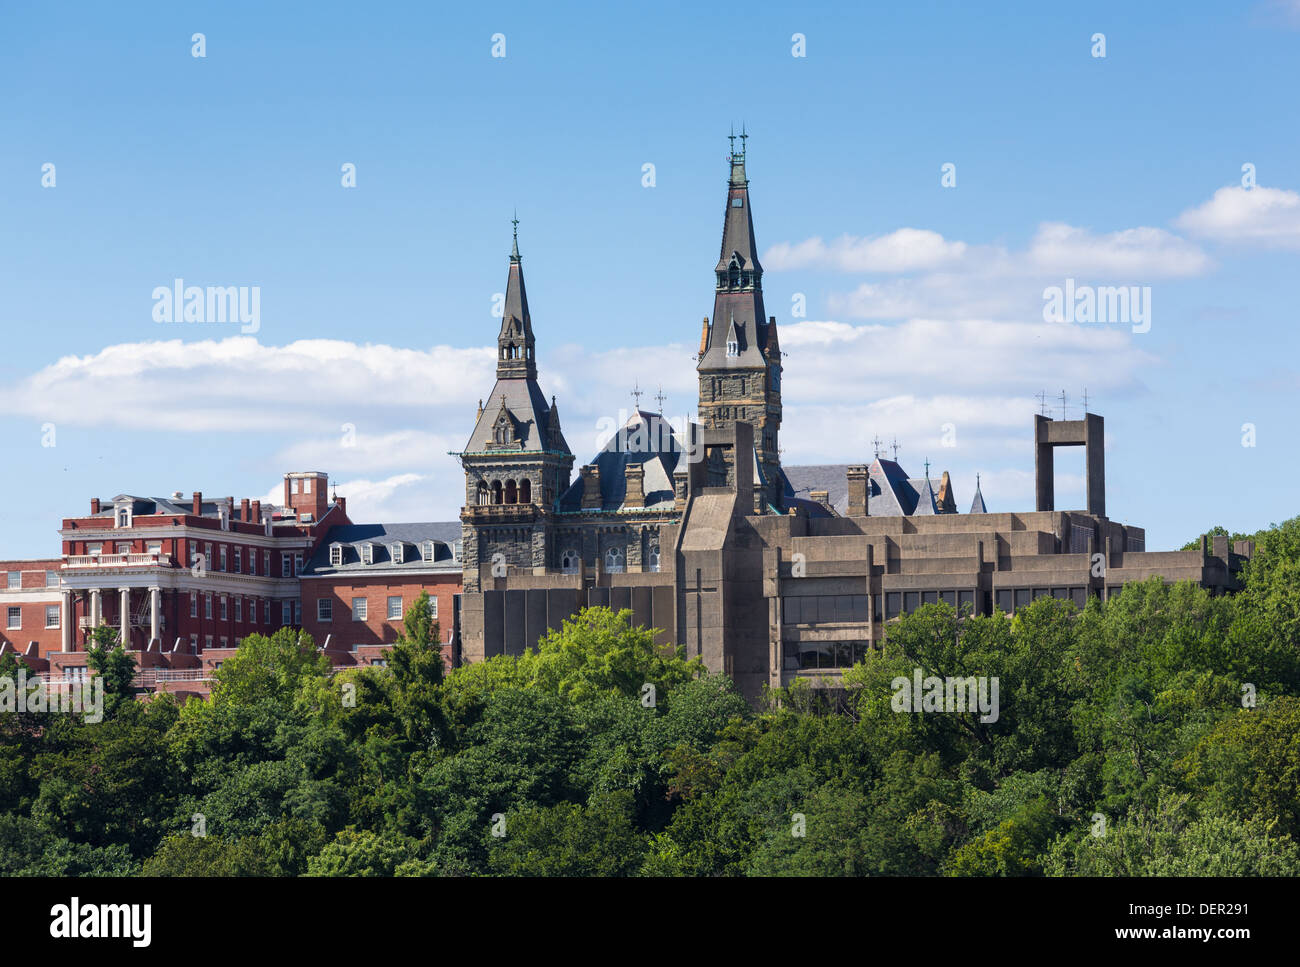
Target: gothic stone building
<point>705,537</point>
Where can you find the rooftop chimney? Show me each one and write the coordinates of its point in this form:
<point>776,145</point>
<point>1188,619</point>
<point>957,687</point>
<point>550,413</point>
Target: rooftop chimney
<point>243,510</point>
<point>94,505</point>
<point>591,498</point>
<point>857,491</point>
<point>198,503</point>
<point>256,512</point>
<point>635,493</point>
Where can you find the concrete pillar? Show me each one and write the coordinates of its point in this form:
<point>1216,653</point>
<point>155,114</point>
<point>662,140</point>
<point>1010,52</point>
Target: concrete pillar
<point>155,595</point>
<point>96,609</point>
<point>65,621</point>
<point>124,617</point>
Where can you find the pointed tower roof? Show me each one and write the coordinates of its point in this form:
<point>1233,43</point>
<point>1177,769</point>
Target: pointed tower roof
<point>515,344</point>
<point>738,282</point>
<point>925,505</point>
<point>977,505</point>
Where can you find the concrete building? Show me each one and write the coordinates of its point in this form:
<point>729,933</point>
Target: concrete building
<point>729,560</point>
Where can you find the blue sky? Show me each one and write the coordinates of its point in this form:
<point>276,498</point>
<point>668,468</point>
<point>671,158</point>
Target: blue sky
<point>923,302</point>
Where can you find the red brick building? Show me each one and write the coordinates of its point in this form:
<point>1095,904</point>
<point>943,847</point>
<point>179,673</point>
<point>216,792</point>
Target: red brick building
<point>184,580</point>
<point>363,579</point>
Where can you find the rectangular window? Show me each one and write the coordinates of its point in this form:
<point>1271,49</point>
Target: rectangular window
<point>286,613</point>
<point>225,642</point>
<point>51,616</point>
<point>297,613</point>
<point>306,485</point>
<point>266,563</point>
<point>297,564</point>
<point>239,560</point>
<point>286,564</point>
<point>394,608</point>
<point>194,604</point>
<point>433,606</point>
<point>75,673</point>
<point>224,608</point>
<point>15,580</point>
<point>124,547</point>
<point>911,601</point>
<point>293,485</point>
<point>324,609</point>
<point>252,561</point>
<point>154,547</point>
<point>336,555</point>
<point>239,609</point>
<point>266,611</point>
<point>207,641</point>
<point>1003,598</point>
<point>194,643</point>
<point>368,554</point>
<point>223,557</point>
<point>358,609</point>
<point>51,579</point>
<point>94,550</point>
<point>207,604</point>
<point>893,604</point>
<point>207,555</point>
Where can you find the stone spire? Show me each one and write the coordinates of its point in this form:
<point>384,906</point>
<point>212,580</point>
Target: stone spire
<point>515,348</point>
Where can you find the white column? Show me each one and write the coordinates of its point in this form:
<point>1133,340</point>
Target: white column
<point>96,608</point>
<point>124,607</point>
<point>154,595</point>
<point>65,622</point>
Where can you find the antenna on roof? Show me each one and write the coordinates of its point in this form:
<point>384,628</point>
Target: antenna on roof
<point>895,449</point>
<point>875,442</point>
<point>636,394</point>
<point>1085,401</point>
<point>1041,396</point>
<point>1063,416</point>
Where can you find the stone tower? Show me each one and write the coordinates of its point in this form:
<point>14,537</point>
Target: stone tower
<point>516,462</point>
<point>740,359</point>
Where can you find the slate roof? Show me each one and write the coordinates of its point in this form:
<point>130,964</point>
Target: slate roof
<point>446,536</point>
<point>890,492</point>
<point>524,400</point>
<point>145,506</point>
<point>647,439</point>
<point>977,505</point>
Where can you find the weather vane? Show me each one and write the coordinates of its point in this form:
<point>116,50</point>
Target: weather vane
<point>636,394</point>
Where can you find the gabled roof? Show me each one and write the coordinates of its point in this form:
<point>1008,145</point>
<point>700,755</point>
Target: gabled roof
<point>645,438</point>
<point>977,505</point>
<point>524,400</point>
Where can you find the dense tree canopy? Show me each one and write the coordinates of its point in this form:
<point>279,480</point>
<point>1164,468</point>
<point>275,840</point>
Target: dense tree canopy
<point>1156,734</point>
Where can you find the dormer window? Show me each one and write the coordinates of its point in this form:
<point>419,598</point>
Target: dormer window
<point>395,552</point>
<point>367,553</point>
<point>336,555</point>
<point>427,550</point>
<point>733,348</point>
<point>737,202</point>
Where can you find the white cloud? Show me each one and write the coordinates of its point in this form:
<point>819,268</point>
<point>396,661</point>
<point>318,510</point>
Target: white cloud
<point>904,250</point>
<point>1263,216</point>
<point>1131,254</point>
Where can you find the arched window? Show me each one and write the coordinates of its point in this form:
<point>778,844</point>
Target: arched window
<point>483,494</point>
<point>512,494</point>
<point>733,272</point>
<point>525,491</point>
<point>569,561</point>
<point>652,557</point>
<point>614,560</point>
<point>496,491</point>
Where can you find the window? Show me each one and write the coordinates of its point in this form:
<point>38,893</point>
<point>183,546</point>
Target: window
<point>614,560</point>
<point>223,557</point>
<point>239,560</point>
<point>266,611</point>
<point>15,580</point>
<point>652,558</point>
<point>124,547</point>
<point>266,563</point>
<point>367,553</point>
<point>297,612</point>
<point>336,555</point>
<point>378,662</point>
<point>194,642</point>
<point>358,609</point>
<point>394,608</point>
<point>225,642</point>
<point>239,609</point>
<point>153,547</point>
<point>224,608</point>
<point>433,607</point>
<point>194,604</point>
<point>306,486</point>
<point>51,579</point>
<point>396,553</point>
<point>207,641</point>
<point>569,561</point>
<point>207,604</point>
<point>123,518</point>
<point>732,348</point>
<point>94,550</point>
<point>286,613</point>
<point>297,564</point>
<point>207,554</point>
<point>286,565</point>
<point>293,486</point>
<point>324,609</point>
<point>426,550</point>
<point>252,561</point>
<point>51,616</point>
<point>75,673</point>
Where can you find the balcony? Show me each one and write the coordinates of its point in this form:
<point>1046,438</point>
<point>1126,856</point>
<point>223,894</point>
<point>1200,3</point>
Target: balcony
<point>151,559</point>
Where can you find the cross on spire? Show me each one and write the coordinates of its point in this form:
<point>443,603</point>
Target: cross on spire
<point>927,468</point>
<point>875,442</point>
<point>514,250</point>
<point>636,394</point>
<point>659,398</point>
